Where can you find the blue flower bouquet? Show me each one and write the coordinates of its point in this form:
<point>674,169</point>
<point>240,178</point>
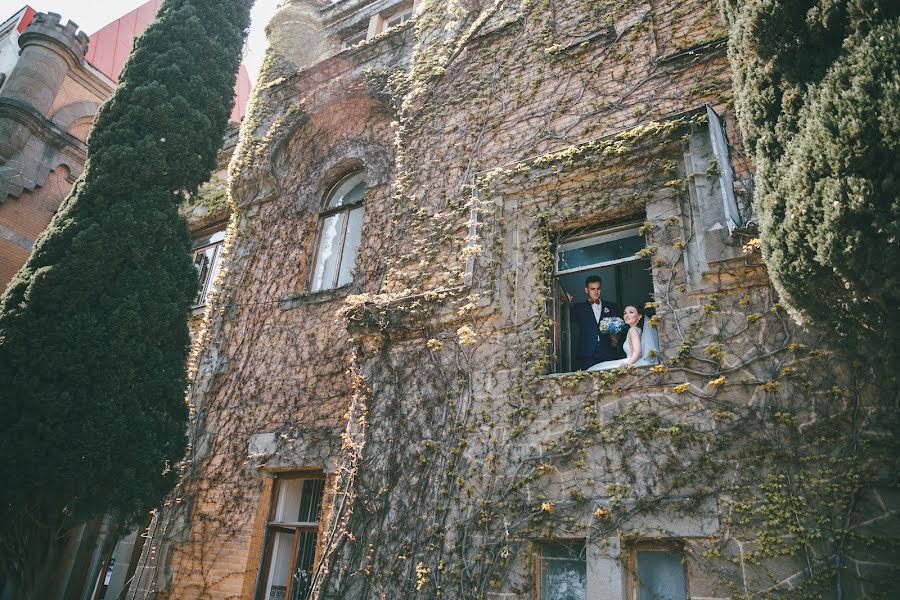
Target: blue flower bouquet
<point>611,325</point>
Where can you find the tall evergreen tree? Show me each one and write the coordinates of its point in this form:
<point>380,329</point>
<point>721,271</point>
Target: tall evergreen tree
<point>817,90</point>
<point>93,329</point>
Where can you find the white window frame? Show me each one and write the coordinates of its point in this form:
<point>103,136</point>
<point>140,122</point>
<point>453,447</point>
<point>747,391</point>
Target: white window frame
<point>342,237</point>
<point>726,175</point>
<point>214,243</point>
<point>606,235</point>
<point>397,19</point>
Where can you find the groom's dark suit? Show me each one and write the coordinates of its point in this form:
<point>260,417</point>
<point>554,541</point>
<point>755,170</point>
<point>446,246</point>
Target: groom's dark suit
<point>592,348</point>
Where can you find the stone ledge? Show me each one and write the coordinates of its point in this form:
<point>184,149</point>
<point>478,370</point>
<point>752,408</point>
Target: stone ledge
<point>39,125</point>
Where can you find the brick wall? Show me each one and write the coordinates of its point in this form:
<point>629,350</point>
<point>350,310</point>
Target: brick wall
<point>23,219</point>
<point>74,90</point>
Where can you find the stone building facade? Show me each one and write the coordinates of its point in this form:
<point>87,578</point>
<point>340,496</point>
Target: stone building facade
<point>384,398</point>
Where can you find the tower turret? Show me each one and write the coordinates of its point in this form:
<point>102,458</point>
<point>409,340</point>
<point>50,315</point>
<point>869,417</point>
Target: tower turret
<point>49,50</point>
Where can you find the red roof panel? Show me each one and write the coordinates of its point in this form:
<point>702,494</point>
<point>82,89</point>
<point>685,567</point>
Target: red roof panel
<point>112,44</point>
<point>26,19</point>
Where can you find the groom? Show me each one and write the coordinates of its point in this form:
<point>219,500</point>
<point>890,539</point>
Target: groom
<point>593,347</point>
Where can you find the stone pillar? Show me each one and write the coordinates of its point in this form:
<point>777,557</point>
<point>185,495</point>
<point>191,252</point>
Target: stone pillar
<point>49,51</point>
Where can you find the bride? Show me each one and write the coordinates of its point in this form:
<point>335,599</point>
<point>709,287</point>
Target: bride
<point>634,354</point>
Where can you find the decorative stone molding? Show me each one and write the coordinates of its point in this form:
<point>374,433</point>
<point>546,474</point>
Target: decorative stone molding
<point>50,51</point>
<point>44,145</point>
<point>68,114</point>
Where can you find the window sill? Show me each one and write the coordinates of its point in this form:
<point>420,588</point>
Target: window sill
<point>625,370</point>
<point>294,300</point>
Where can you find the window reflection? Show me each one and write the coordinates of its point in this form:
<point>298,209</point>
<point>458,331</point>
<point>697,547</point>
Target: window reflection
<point>563,572</point>
<point>206,260</point>
<point>340,233</point>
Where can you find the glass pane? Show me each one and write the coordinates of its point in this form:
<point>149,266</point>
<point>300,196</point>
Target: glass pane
<point>208,240</point>
<point>592,251</point>
<point>327,256</point>
<point>401,18</point>
<point>287,505</point>
<point>349,191</point>
<point>303,565</point>
<point>280,566</point>
<point>214,269</point>
<point>351,244</point>
<point>660,575</point>
<point>203,260</point>
<point>311,500</point>
<point>563,572</point>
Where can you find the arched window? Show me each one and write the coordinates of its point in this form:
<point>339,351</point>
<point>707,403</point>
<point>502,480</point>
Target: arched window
<point>340,228</point>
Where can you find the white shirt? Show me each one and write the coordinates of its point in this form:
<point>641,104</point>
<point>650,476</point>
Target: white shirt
<point>598,310</point>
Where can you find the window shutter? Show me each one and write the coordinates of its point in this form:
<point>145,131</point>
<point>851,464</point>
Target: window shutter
<point>726,177</point>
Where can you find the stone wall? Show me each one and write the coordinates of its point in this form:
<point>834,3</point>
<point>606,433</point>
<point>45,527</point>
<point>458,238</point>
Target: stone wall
<point>425,390</point>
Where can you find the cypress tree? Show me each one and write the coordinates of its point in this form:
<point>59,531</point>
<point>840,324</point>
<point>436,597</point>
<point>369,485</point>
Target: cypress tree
<point>93,329</point>
<point>817,93</point>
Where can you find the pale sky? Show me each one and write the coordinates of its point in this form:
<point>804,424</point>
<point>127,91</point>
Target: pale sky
<point>91,15</point>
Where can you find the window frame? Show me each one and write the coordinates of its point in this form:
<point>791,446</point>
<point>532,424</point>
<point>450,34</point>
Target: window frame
<point>324,214</point>
<point>216,241</point>
<point>612,233</point>
<point>554,308</point>
<point>403,16</point>
<point>273,526</point>
<point>539,561</point>
<point>632,591</point>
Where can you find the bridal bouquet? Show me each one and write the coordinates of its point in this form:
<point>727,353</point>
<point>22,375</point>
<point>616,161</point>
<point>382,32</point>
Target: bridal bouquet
<point>611,325</point>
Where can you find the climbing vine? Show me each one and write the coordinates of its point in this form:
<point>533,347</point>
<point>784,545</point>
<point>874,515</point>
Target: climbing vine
<point>426,388</point>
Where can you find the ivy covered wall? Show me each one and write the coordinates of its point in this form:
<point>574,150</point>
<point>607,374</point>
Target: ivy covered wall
<point>425,391</point>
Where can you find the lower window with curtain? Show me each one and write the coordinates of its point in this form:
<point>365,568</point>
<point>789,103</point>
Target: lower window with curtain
<point>291,534</point>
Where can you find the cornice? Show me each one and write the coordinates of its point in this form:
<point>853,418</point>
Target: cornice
<point>42,127</point>
<point>94,80</point>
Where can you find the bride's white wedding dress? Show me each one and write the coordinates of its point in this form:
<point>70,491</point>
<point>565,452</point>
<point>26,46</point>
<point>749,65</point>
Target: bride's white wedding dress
<point>648,345</point>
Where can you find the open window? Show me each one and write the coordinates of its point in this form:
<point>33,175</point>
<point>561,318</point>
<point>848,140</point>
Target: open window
<point>563,571</point>
<point>206,254</point>
<point>613,255</point>
<point>723,166</point>
<point>340,231</point>
<point>291,531</point>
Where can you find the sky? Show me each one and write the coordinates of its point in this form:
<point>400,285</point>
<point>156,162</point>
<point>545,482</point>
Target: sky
<point>91,15</point>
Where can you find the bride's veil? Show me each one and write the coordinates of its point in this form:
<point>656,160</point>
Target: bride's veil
<point>649,343</point>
